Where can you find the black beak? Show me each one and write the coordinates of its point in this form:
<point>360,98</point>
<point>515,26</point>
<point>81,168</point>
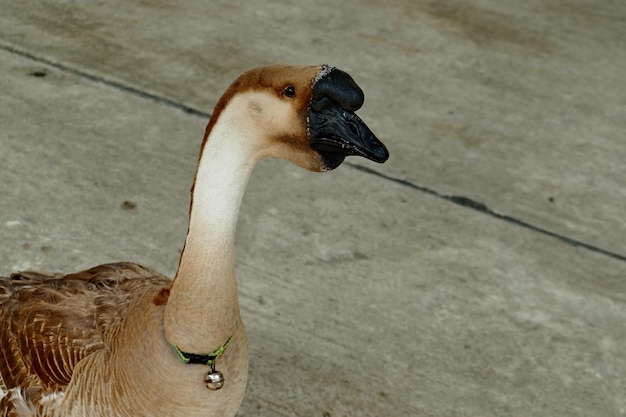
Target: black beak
<point>335,131</point>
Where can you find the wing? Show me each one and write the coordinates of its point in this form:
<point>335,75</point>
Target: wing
<point>51,322</point>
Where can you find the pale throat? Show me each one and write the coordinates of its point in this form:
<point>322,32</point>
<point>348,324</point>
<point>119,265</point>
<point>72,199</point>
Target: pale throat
<point>203,310</point>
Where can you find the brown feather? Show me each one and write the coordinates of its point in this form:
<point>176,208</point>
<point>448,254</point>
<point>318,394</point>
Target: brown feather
<point>52,322</point>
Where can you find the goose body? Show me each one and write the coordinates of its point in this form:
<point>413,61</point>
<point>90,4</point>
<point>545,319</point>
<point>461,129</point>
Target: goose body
<point>102,342</point>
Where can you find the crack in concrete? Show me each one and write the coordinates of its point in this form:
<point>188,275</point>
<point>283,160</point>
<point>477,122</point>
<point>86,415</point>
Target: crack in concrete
<point>104,81</point>
<point>482,208</point>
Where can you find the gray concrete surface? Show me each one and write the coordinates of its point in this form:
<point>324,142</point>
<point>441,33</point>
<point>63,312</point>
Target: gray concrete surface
<point>365,293</point>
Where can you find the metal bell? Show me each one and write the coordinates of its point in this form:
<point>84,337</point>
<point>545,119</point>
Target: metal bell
<point>214,380</point>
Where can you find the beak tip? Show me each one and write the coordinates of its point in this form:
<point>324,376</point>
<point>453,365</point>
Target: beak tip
<point>381,155</point>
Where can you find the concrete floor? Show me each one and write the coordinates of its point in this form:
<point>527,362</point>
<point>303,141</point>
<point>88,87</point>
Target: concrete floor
<point>480,272</point>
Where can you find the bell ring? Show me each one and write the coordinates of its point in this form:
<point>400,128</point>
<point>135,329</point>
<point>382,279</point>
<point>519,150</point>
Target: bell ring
<point>214,380</point>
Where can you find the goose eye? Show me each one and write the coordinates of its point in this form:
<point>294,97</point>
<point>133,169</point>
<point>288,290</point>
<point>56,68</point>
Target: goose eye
<point>290,91</point>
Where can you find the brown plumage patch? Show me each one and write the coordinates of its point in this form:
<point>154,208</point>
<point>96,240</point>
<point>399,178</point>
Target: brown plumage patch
<point>49,323</point>
<point>162,297</point>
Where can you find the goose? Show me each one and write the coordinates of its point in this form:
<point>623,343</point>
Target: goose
<point>123,340</point>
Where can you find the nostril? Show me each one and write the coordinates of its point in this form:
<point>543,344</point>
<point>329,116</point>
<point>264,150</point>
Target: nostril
<point>354,129</point>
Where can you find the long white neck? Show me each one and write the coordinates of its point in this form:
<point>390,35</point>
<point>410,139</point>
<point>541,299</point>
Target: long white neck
<point>203,308</point>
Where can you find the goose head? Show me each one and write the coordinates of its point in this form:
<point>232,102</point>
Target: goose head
<point>302,114</point>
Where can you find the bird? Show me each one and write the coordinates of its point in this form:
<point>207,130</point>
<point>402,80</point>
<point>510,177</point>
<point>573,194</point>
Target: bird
<point>121,339</point>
